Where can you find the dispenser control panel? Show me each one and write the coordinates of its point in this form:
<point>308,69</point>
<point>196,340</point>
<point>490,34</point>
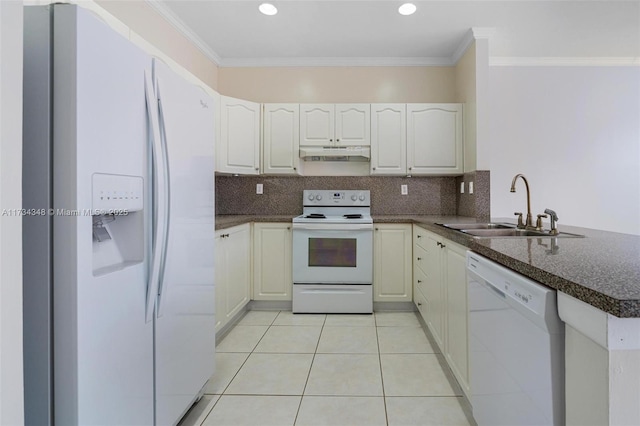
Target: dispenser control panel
<point>116,194</point>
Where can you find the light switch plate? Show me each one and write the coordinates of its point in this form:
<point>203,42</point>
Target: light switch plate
<point>470,187</point>
<point>462,187</point>
<point>404,190</point>
<point>259,188</point>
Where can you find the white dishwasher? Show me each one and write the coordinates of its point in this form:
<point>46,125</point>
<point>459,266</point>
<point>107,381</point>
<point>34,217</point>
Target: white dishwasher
<point>516,348</point>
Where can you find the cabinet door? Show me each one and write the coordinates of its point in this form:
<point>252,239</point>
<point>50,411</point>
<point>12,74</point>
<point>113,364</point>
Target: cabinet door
<point>392,281</point>
<point>317,124</point>
<point>388,139</point>
<point>281,139</point>
<point>220,264</point>
<point>353,124</point>
<point>434,139</point>
<point>239,146</point>
<point>457,313</point>
<point>272,261</point>
<point>237,246</point>
<point>434,289</point>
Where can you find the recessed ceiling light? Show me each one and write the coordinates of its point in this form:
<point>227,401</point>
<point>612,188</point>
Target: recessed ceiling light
<point>407,9</point>
<point>268,9</point>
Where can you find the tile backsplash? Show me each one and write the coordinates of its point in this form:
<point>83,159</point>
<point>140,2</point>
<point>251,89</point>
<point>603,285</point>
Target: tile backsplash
<point>283,194</point>
<point>477,204</point>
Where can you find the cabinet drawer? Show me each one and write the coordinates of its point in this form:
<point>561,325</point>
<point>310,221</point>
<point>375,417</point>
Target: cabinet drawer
<point>419,280</point>
<point>421,304</point>
<point>420,258</point>
<point>419,237</point>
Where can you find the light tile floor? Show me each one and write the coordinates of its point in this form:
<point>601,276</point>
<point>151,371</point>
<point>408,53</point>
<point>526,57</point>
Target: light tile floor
<point>277,368</point>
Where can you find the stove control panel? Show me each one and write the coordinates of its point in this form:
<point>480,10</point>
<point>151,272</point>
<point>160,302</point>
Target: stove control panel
<point>336,198</point>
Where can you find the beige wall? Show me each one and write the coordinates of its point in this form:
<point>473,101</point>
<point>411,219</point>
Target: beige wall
<point>465,73</point>
<point>339,84</point>
<point>150,25</point>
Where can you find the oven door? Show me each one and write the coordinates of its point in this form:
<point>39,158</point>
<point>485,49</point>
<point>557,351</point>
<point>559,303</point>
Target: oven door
<point>332,253</point>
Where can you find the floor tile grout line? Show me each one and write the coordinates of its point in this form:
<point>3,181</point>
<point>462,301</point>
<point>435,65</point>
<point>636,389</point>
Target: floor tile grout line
<point>306,382</point>
<point>324,325</point>
<point>384,396</point>
<point>238,371</point>
<point>242,365</point>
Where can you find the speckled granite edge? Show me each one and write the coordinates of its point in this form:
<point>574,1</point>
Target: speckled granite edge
<point>623,308</point>
<point>618,308</point>
<point>229,221</point>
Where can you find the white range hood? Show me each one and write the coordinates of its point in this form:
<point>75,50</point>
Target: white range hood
<point>332,153</point>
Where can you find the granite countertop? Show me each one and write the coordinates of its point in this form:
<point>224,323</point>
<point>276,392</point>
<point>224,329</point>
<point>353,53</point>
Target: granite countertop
<point>602,269</point>
<point>230,220</point>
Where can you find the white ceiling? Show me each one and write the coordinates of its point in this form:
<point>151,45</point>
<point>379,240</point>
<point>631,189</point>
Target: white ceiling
<point>364,32</point>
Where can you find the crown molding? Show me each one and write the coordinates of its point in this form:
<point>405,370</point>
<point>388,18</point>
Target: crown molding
<point>483,32</point>
<point>520,61</point>
<point>474,33</point>
<point>336,62</point>
<point>178,24</point>
<point>184,29</point>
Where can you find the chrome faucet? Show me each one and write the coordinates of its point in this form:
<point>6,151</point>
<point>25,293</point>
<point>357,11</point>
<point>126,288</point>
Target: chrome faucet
<point>529,222</point>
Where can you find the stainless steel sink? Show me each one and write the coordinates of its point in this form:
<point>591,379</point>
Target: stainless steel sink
<point>517,233</point>
<point>503,230</point>
<point>461,226</point>
<point>505,233</point>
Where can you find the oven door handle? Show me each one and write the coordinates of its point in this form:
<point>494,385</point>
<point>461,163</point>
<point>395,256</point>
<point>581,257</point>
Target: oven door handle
<point>333,226</point>
<point>334,290</point>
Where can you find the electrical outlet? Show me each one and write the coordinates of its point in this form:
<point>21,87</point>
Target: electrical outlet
<point>404,190</point>
<point>259,188</point>
<point>462,187</point>
<point>470,187</point>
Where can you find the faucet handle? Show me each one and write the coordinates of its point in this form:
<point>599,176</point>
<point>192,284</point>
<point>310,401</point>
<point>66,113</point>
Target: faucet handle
<point>553,214</point>
<point>539,222</point>
<point>520,222</point>
<point>554,219</point>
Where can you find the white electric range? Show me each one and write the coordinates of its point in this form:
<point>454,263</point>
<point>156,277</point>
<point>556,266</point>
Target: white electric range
<point>333,253</point>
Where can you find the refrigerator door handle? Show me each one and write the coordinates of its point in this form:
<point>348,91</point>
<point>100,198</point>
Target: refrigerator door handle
<point>163,202</point>
<point>159,236</point>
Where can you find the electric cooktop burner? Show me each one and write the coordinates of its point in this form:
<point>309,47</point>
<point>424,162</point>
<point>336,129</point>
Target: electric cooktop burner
<point>326,207</point>
<point>315,216</point>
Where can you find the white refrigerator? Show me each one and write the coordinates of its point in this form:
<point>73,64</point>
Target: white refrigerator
<point>119,229</point>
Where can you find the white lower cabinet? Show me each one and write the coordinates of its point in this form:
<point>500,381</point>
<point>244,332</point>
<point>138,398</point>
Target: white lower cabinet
<point>440,282</point>
<point>272,261</point>
<point>457,312</point>
<point>392,263</point>
<point>428,277</point>
<point>232,272</point>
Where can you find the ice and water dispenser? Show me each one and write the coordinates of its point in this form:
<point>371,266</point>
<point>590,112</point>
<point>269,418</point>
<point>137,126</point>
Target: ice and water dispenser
<point>117,213</point>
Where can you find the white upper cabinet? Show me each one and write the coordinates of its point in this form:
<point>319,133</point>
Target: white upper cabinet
<point>388,139</point>
<point>434,139</point>
<point>353,124</point>
<point>317,124</point>
<point>280,139</point>
<point>335,124</point>
<point>238,150</point>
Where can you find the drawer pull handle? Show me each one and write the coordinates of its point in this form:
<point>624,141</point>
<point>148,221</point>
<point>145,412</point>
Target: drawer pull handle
<point>419,258</point>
